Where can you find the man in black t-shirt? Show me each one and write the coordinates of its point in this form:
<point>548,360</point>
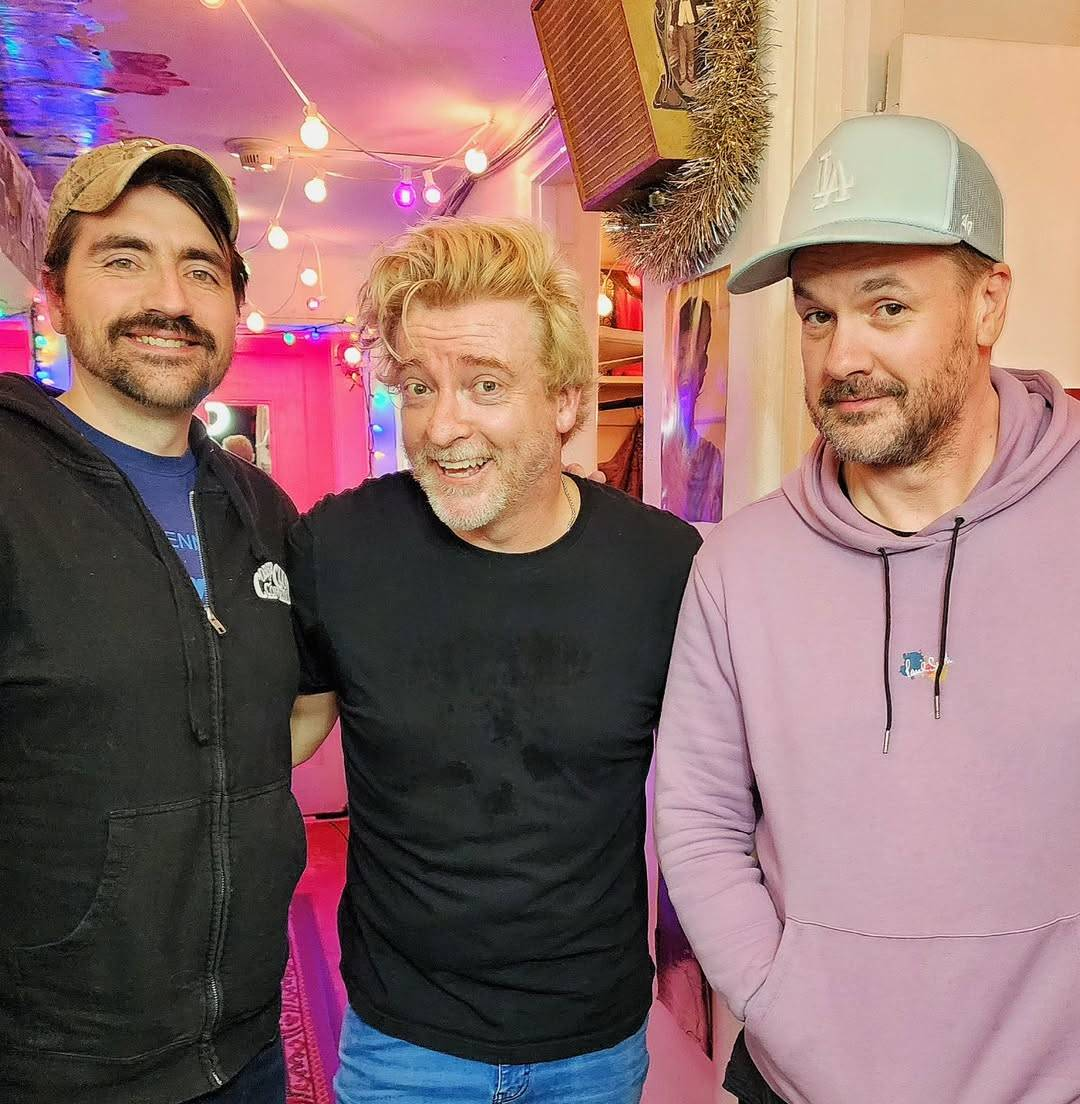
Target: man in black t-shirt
<point>496,636</point>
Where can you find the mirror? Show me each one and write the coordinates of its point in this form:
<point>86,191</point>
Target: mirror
<point>242,430</point>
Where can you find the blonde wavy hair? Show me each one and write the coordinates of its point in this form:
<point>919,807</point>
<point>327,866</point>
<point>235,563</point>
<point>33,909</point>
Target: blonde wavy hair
<point>447,262</point>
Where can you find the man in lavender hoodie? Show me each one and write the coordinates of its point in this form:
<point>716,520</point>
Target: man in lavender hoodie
<point>868,799</point>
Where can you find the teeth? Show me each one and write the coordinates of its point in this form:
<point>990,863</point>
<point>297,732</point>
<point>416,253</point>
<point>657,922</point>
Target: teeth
<point>162,342</point>
<point>462,465</point>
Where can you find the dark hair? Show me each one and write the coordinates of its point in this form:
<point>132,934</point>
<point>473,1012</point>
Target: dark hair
<point>188,189</point>
<point>972,264</point>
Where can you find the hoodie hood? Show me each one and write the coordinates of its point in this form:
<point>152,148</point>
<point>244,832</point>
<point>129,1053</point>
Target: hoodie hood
<point>1038,426</point>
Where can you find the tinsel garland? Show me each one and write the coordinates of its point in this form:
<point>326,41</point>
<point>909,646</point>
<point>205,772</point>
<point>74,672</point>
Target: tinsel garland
<point>692,215</point>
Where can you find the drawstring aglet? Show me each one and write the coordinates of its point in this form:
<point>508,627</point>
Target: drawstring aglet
<point>937,704</point>
<point>885,746</point>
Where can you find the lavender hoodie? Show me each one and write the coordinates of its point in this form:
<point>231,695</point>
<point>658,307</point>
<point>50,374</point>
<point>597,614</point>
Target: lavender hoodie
<point>909,931</point>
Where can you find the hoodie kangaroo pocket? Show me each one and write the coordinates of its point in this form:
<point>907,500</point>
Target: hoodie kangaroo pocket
<point>268,850</point>
<point>844,1018</point>
<point>128,978</point>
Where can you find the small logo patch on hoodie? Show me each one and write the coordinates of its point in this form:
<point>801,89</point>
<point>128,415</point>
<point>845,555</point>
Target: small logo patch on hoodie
<point>272,583</point>
<point>916,665</point>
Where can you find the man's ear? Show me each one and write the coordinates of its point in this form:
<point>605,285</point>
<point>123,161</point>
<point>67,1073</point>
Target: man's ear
<point>55,299</point>
<point>568,400</point>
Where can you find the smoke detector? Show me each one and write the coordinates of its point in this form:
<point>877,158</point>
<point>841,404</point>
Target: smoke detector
<point>256,154</point>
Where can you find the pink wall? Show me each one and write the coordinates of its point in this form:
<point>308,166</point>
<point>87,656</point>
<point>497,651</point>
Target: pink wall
<point>318,427</point>
<point>14,346</point>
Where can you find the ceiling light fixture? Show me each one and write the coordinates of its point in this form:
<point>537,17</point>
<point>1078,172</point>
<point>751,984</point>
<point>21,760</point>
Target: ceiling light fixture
<point>405,192</point>
<point>314,132</point>
<point>277,237</point>
<point>476,160</point>
<point>432,191</point>
<point>315,188</point>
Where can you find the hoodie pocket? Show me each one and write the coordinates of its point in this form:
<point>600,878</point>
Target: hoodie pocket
<point>128,978</point>
<point>844,1018</point>
<point>267,850</point>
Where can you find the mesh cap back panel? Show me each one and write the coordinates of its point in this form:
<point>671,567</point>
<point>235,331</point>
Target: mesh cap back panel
<point>977,215</point>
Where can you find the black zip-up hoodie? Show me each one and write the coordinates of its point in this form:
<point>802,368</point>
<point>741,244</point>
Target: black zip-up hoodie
<point>149,841</point>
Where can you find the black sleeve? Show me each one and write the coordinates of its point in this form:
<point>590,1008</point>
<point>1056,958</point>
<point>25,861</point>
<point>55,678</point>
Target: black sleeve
<point>316,668</point>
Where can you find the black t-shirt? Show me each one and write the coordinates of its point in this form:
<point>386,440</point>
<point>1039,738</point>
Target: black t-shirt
<point>497,717</point>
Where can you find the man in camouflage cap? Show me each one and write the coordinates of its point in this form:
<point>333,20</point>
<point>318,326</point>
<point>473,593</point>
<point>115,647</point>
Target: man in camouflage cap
<point>149,842</point>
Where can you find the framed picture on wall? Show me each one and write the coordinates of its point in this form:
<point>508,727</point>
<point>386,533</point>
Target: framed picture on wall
<point>694,427</point>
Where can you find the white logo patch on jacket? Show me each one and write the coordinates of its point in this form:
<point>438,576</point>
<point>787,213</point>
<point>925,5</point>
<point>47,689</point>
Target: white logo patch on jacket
<point>272,583</point>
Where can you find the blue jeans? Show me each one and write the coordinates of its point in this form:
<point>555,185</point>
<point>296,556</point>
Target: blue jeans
<point>261,1081</point>
<point>377,1069</point>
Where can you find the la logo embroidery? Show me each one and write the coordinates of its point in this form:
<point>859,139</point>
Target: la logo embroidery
<point>272,584</point>
<point>834,183</point>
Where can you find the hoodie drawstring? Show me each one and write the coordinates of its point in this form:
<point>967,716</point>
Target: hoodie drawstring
<point>943,642</point>
<point>888,643</point>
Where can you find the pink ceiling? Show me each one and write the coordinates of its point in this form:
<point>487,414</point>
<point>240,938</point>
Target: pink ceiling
<point>405,76</point>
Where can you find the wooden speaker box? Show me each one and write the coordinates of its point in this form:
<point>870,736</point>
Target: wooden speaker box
<point>614,72</point>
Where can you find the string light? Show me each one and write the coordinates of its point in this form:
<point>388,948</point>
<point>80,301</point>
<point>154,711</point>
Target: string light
<point>309,277</point>
<point>255,322</point>
<point>405,192</point>
<point>289,338</point>
<point>314,303</point>
<point>352,356</point>
<point>213,3</point>
<point>277,237</point>
<point>432,191</point>
<point>315,188</point>
<point>476,160</point>
<point>634,280</point>
<point>314,133</point>
<point>604,305</point>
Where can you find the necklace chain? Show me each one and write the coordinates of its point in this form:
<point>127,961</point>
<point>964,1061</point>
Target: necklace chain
<point>570,503</point>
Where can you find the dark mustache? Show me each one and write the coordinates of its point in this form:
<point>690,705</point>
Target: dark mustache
<point>182,326</point>
<point>851,390</point>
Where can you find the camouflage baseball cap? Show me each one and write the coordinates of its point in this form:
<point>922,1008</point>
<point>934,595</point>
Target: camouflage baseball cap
<point>97,178</point>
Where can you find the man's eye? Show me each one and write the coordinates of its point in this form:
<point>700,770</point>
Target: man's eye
<point>205,276</point>
<point>817,317</point>
<point>415,390</point>
<point>487,387</point>
<point>123,263</point>
<point>893,310</point>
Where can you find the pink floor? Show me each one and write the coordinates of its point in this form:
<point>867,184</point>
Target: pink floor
<point>314,913</point>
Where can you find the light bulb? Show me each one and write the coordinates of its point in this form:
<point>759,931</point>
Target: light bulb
<point>476,160</point>
<point>289,338</point>
<point>313,132</point>
<point>432,191</point>
<point>352,356</point>
<point>276,236</point>
<point>405,193</point>
<point>315,189</point>
<point>309,277</point>
<point>604,305</point>
<point>634,280</point>
<point>213,3</point>
<point>313,303</point>
<point>255,322</point>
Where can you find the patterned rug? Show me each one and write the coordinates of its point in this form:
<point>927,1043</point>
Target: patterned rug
<point>309,1024</point>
